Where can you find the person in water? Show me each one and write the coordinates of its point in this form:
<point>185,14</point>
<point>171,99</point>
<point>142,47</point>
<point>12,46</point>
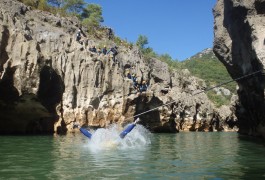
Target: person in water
<point>127,130</point>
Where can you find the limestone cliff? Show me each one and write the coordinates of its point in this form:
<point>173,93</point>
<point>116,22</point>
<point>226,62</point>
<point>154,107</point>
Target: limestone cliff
<point>48,80</point>
<point>240,45</point>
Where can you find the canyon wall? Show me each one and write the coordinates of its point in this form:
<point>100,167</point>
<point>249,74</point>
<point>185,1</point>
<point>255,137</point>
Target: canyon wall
<point>239,31</point>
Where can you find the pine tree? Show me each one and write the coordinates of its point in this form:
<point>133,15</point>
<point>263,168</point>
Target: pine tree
<point>74,6</point>
<point>92,16</point>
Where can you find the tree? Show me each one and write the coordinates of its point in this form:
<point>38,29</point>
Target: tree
<point>166,57</point>
<point>93,11</point>
<point>74,6</point>
<point>142,41</point>
<point>92,16</point>
<point>57,3</point>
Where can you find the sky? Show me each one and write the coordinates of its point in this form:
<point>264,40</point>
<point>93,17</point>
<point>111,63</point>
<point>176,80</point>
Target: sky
<point>180,28</point>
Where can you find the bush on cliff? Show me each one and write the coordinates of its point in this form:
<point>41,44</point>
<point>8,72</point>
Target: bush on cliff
<point>38,4</point>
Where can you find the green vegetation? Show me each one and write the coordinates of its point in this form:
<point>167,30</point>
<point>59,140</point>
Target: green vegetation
<point>206,66</point>
<point>92,17</point>
<point>38,4</point>
<point>56,3</point>
<point>147,52</point>
<point>74,6</point>
<point>141,42</point>
<point>173,64</point>
<point>218,100</point>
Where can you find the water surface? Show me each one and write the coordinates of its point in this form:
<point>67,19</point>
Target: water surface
<point>141,155</point>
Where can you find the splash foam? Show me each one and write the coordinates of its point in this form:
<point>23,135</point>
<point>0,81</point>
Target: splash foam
<point>109,138</point>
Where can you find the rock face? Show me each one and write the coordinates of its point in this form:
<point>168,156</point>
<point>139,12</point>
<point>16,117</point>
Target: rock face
<point>48,80</point>
<point>240,45</point>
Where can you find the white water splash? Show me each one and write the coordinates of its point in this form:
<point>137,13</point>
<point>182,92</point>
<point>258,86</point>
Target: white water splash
<point>109,138</point>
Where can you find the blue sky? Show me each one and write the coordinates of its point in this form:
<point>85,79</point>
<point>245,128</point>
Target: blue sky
<point>180,28</point>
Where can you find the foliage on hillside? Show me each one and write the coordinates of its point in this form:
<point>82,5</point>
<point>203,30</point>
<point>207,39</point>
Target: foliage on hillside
<point>206,66</point>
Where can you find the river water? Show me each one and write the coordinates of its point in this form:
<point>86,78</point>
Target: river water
<point>141,155</point>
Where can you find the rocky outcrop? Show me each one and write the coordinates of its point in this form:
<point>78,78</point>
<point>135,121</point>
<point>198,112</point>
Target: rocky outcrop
<point>48,80</point>
<point>240,45</point>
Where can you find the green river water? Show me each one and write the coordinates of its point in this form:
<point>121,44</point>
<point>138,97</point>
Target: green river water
<point>141,155</point>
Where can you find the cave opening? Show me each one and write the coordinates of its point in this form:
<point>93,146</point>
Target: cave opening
<point>50,92</point>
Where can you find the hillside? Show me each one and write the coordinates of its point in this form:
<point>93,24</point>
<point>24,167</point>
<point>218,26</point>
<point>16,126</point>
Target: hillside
<point>206,66</point>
